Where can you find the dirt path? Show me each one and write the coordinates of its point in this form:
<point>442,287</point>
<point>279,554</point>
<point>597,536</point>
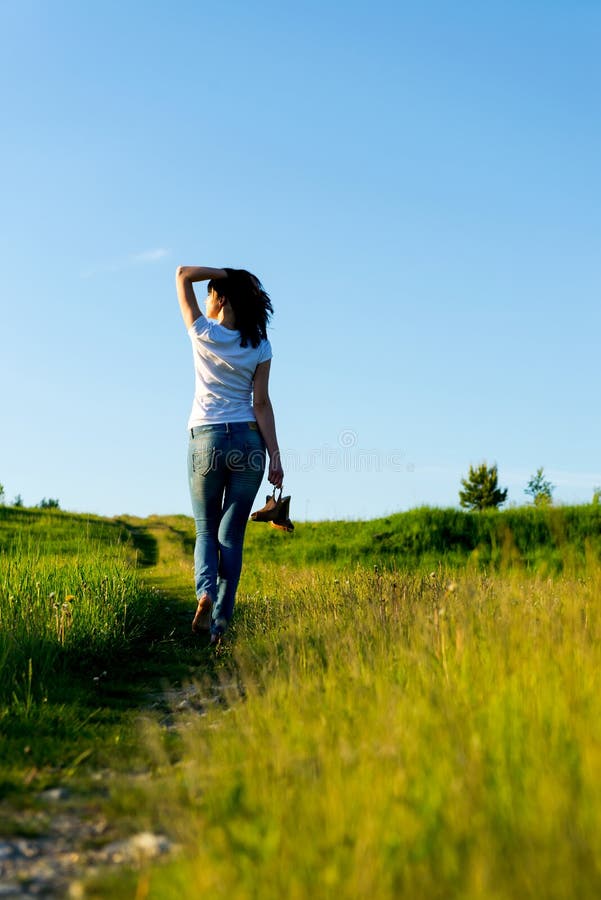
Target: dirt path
<point>51,845</point>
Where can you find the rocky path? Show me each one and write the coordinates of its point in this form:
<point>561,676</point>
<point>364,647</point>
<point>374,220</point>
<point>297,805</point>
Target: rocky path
<point>70,852</point>
<point>69,840</point>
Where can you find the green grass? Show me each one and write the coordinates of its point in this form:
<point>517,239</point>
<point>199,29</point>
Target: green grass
<point>58,533</point>
<point>70,601</point>
<point>81,639</point>
<point>547,539</point>
<point>396,736</point>
<point>379,723</point>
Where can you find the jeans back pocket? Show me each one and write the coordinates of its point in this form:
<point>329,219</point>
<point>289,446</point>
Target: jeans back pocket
<point>202,460</point>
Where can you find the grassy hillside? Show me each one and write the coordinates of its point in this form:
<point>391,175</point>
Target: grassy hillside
<point>71,607</point>
<point>369,728</point>
<point>56,532</point>
<point>550,538</point>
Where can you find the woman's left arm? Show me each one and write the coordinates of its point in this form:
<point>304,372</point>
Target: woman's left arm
<point>185,276</point>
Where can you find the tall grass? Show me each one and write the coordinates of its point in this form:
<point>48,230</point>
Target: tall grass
<point>69,597</point>
<point>384,731</point>
<point>386,736</point>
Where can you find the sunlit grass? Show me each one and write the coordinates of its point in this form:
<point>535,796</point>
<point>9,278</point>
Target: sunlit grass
<point>398,736</point>
<point>55,610</point>
<point>72,610</point>
<point>370,729</point>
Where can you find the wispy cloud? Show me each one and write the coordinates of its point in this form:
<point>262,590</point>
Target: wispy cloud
<point>149,256</point>
<point>143,258</point>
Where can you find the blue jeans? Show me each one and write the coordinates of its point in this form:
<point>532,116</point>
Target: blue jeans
<point>226,463</point>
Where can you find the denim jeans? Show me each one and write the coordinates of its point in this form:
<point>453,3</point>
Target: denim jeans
<point>226,463</point>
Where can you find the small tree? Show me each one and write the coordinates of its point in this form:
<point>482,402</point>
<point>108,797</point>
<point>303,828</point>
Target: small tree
<point>596,495</point>
<point>481,490</point>
<point>1,494</point>
<point>18,501</point>
<point>540,489</point>
<point>49,504</point>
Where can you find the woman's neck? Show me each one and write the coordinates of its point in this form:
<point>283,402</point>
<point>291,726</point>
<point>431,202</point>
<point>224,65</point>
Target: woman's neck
<point>227,319</point>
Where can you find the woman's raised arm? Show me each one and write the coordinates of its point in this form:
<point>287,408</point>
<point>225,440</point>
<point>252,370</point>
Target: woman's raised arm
<point>185,276</point>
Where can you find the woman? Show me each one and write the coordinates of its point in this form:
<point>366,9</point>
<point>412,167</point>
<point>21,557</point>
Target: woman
<point>231,425</point>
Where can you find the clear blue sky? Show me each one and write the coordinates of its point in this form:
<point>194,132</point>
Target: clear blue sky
<point>417,185</point>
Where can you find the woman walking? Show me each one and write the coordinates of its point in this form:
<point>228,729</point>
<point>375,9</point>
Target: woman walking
<point>231,426</point>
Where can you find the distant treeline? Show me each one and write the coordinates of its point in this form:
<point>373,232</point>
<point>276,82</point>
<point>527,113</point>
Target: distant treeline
<point>552,538</point>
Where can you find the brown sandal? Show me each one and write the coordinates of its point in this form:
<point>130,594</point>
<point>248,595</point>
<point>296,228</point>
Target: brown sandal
<point>276,512</point>
<point>272,508</point>
<point>282,520</point>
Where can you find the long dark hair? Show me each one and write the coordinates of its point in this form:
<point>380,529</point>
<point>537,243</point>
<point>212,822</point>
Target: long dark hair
<point>249,301</point>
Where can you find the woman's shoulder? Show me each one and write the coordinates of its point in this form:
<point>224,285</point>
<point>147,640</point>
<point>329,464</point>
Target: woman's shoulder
<point>210,329</point>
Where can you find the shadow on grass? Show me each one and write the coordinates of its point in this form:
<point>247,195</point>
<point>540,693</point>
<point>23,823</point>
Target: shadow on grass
<point>78,708</point>
<point>144,543</point>
<point>85,712</point>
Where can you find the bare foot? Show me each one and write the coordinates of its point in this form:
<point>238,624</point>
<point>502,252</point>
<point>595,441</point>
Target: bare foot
<point>202,617</point>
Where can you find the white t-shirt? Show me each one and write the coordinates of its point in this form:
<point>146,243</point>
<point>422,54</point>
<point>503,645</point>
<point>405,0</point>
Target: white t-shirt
<point>224,373</point>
